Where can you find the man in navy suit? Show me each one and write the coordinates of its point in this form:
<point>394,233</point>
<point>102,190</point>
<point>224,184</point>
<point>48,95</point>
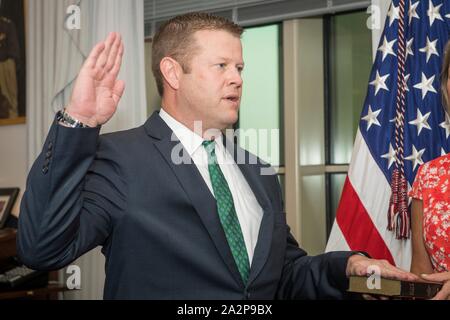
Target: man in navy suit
<point>208,227</point>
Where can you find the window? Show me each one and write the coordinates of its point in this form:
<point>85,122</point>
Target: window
<point>260,115</point>
<point>348,60</point>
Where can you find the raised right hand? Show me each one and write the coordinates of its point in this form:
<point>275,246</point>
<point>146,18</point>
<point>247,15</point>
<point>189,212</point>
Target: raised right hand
<point>97,91</point>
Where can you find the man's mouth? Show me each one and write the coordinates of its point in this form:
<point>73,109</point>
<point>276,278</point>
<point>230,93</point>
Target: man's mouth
<point>232,98</point>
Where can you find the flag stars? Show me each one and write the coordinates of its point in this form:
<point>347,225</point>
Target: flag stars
<point>430,48</point>
<point>416,157</point>
<point>433,13</point>
<point>406,81</point>
<point>387,48</point>
<point>412,13</point>
<point>446,125</point>
<point>394,14</point>
<point>409,50</point>
<point>391,156</point>
<point>425,85</point>
<point>371,118</point>
<point>421,121</point>
<point>379,82</point>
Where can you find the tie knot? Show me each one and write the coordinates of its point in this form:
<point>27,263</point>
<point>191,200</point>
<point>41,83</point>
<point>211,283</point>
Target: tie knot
<point>208,145</point>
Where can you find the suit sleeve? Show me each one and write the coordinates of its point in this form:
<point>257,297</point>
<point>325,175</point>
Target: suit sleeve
<point>73,190</point>
<point>311,277</point>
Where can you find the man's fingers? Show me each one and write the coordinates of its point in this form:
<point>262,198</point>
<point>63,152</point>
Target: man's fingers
<point>395,273</point>
<point>118,62</point>
<point>113,53</point>
<point>95,53</point>
<point>119,88</point>
<point>109,45</point>
<point>391,275</point>
<point>388,270</point>
<point>401,276</point>
<point>408,276</point>
<point>101,61</point>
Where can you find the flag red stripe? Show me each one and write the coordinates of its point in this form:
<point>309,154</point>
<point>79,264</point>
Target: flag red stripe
<point>357,226</point>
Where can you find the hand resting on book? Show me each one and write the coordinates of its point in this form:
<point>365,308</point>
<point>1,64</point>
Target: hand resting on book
<point>444,278</point>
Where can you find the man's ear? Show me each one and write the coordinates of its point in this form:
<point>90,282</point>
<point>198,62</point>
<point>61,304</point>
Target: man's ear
<point>171,71</point>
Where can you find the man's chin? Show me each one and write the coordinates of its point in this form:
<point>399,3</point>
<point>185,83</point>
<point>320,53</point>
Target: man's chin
<point>231,119</point>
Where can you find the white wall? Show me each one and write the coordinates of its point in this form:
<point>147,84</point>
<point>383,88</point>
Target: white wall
<point>13,159</point>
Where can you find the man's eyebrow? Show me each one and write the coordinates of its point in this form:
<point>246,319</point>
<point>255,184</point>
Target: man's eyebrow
<point>228,60</point>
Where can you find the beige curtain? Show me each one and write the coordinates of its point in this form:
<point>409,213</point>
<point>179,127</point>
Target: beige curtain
<point>54,57</point>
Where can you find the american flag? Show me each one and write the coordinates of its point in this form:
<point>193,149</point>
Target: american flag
<point>395,117</point>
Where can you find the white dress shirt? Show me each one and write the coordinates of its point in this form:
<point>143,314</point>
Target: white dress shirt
<point>248,210</point>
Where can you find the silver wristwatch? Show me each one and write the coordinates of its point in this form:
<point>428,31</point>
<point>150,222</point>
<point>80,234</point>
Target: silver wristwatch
<point>63,117</point>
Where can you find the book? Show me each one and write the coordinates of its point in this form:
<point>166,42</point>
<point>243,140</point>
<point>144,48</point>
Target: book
<point>393,288</point>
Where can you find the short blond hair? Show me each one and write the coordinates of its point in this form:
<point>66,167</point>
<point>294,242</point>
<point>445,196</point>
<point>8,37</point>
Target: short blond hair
<point>444,77</point>
<point>175,39</point>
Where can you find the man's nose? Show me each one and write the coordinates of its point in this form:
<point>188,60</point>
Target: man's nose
<point>236,78</point>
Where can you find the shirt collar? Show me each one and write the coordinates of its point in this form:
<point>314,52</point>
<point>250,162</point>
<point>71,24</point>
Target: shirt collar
<point>190,140</point>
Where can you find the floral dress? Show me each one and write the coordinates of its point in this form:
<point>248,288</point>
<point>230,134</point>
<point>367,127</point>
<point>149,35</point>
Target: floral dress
<point>432,186</point>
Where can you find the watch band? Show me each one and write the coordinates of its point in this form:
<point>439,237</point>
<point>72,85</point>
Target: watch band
<point>63,117</point>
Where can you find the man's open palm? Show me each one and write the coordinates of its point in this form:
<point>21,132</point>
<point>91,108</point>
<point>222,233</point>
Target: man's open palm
<point>97,91</point>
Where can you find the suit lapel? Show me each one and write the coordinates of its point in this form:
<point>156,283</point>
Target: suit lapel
<point>196,189</point>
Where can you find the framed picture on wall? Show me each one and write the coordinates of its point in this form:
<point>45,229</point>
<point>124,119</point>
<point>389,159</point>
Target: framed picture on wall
<point>8,197</point>
<point>12,62</point>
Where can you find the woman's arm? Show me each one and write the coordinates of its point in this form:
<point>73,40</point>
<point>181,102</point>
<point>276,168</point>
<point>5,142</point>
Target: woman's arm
<point>420,262</point>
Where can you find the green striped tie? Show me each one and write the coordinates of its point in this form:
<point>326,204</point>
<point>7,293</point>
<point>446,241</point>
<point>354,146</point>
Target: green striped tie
<point>227,212</point>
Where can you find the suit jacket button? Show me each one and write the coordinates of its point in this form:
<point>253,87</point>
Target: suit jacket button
<point>48,154</point>
<point>50,145</point>
<point>44,170</point>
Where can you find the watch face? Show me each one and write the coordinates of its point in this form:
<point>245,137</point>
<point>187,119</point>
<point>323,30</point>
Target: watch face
<point>67,120</point>
<point>62,117</point>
